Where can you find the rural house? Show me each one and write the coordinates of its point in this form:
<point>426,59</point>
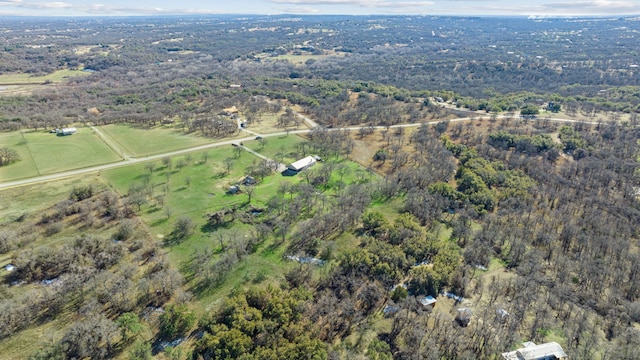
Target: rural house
<point>531,351</point>
<point>428,302</point>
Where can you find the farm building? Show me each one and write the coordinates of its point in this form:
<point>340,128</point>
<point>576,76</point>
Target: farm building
<point>249,180</point>
<point>464,316</point>
<point>66,131</point>
<point>302,164</point>
<point>531,351</point>
<point>428,302</point>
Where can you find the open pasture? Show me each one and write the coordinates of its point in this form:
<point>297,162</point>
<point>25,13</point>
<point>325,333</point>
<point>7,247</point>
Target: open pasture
<point>52,154</point>
<point>139,141</point>
<point>25,167</point>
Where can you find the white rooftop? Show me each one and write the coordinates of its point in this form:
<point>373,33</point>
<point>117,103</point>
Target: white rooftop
<point>428,300</point>
<point>302,163</point>
<point>531,351</point>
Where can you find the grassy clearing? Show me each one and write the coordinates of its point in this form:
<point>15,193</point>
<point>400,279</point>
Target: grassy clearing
<point>139,141</point>
<point>29,340</point>
<point>24,168</point>
<point>277,148</point>
<point>54,154</point>
<point>26,89</point>
<point>266,123</point>
<point>267,265</point>
<point>303,58</point>
<point>55,77</point>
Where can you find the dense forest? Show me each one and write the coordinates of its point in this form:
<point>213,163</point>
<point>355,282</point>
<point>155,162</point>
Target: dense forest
<point>527,222</point>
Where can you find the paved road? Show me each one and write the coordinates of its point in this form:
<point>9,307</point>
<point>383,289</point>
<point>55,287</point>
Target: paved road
<point>130,160</point>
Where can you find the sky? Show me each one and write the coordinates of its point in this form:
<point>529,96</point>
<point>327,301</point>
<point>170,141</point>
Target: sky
<point>348,7</point>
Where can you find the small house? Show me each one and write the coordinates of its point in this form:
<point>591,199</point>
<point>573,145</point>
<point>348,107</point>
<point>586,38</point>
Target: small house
<point>501,315</point>
<point>249,180</point>
<point>302,164</point>
<point>9,267</point>
<point>464,316</point>
<point>233,189</point>
<point>428,302</point>
<point>66,131</point>
<point>531,351</point>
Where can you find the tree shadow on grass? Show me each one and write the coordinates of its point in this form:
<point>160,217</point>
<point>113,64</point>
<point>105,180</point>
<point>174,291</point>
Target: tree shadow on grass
<point>159,221</point>
<point>153,210</point>
<point>209,227</point>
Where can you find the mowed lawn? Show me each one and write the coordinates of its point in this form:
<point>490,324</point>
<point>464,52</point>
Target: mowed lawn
<point>22,169</point>
<point>53,154</point>
<point>277,148</point>
<point>139,141</point>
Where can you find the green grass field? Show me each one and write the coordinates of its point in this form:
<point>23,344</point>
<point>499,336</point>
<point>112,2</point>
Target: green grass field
<point>208,186</point>
<point>54,154</point>
<point>144,141</point>
<point>303,58</point>
<point>55,77</point>
<point>277,147</point>
<point>24,168</point>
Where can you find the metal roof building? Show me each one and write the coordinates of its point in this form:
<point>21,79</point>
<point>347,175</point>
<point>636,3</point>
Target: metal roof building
<point>303,163</point>
<point>531,351</point>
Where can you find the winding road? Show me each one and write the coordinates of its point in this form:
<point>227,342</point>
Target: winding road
<point>129,160</point>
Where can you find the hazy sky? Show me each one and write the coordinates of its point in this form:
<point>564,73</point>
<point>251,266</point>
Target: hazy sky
<point>355,7</point>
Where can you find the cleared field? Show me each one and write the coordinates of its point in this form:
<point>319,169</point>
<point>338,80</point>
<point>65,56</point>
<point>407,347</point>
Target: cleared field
<point>281,148</point>
<point>53,153</point>
<point>57,76</point>
<point>148,141</point>
<point>266,123</point>
<point>303,58</point>
<point>24,168</point>
<point>23,89</point>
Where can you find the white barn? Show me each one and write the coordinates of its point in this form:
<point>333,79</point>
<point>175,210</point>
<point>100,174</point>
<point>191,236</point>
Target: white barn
<point>531,351</point>
<point>303,163</point>
<point>66,131</point>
